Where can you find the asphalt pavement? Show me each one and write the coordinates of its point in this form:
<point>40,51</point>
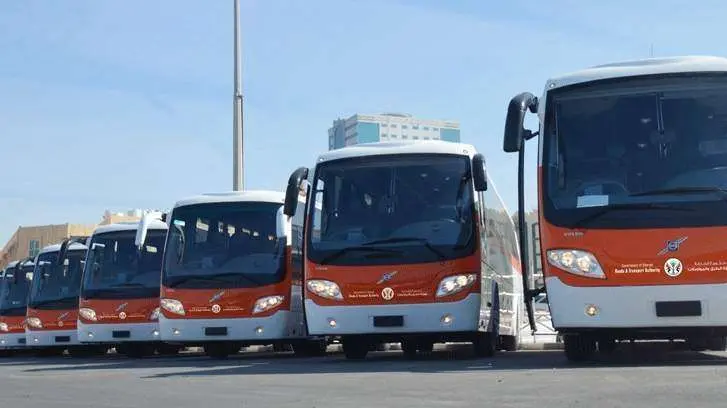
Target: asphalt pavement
<point>633,378</point>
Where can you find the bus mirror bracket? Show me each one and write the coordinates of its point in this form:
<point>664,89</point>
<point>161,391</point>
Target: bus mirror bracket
<point>293,190</point>
<point>479,172</point>
<point>515,132</point>
<point>67,244</point>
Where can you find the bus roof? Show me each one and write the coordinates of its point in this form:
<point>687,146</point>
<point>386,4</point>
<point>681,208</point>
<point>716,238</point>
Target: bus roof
<point>13,263</point>
<point>57,247</point>
<point>265,196</point>
<point>647,66</point>
<point>128,226</point>
<point>399,147</point>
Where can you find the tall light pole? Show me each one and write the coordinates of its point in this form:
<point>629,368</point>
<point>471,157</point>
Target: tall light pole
<point>238,182</point>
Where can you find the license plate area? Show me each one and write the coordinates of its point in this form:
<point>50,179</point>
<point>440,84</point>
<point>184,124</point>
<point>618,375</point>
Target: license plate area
<point>121,334</point>
<point>682,308</point>
<point>21,341</point>
<point>215,331</point>
<point>388,321</point>
<point>63,339</point>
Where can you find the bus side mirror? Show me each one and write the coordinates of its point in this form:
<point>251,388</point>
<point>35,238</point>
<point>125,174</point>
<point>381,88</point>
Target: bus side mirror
<point>479,173</point>
<point>515,132</point>
<point>293,190</point>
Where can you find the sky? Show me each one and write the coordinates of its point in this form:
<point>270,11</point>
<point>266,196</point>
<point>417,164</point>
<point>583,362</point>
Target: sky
<point>108,104</point>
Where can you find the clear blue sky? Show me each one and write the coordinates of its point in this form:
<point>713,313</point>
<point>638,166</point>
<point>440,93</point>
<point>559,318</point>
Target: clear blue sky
<point>108,104</point>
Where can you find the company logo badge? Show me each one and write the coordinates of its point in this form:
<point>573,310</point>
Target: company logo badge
<point>121,307</point>
<point>387,293</point>
<point>673,267</point>
<point>62,316</point>
<point>672,245</point>
<point>387,277</point>
<point>217,296</point>
<point>216,309</point>
<point>122,315</point>
<point>60,323</point>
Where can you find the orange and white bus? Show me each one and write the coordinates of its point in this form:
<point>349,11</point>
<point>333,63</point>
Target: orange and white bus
<point>632,163</point>
<point>228,279</point>
<point>13,304</point>
<point>407,243</point>
<point>53,300</point>
<point>119,305</point>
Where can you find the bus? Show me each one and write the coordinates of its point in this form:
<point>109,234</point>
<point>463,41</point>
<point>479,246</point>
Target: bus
<point>13,304</point>
<point>53,300</point>
<point>407,242</point>
<point>119,304</point>
<point>632,163</point>
<point>228,279</point>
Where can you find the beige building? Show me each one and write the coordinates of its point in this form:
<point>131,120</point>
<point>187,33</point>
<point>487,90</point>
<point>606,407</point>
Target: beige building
<point>28,241</point>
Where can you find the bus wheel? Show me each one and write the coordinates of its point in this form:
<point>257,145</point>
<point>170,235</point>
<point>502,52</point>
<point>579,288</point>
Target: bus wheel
<point>484,344</point>
<point>221,350</point>
<point>509,343</point>
<point>579,347</point>
<point>355,349</point>
<point>409,348</point>
<point>313,348</point>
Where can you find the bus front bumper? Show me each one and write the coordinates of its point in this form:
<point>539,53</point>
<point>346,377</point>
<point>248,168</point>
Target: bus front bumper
<point>635,307</point>
<point>251,330</point>
<point>9,341</point>
<point>118,333</point>
<point>51,338</point>
<point>461,316</point>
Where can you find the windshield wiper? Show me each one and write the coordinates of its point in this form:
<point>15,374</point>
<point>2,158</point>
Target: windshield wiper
<point>50,302</point>
<point>222,276</point>
<point>423,241</point>
<point>128,285</point>
<point>346,250</point>
<point>682,190</point>
<point>216,277</point>
<point>625,207</point>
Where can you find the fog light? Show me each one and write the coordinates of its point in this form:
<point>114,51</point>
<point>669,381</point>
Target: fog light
<point>176,332</point>
<point>2,341</point>
<point>332,322</point>
<point>591,310</point>
<point>447,319</point>
<point>259,330</point>
<point>90,335</point>
<point>35,339</point>
<point>155,333</point>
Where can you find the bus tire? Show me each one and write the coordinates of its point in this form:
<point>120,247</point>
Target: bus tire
<point>509,343</point>
<point>579,348</point>
<point>355,349</point>
<point>717,343</point>
<point>409,348</point>
<point>220,350</point>
<point>485,344</point>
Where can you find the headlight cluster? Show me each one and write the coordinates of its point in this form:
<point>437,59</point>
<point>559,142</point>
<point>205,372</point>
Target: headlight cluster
<point>88,314</point>
<point>4,327</point>
<point>456,283</point>
<point>577,262</point>
<point>154,316</point>
<point>34,322</point>
<point>172,306</point>
<point>267,303</point>
<point>326,289</point>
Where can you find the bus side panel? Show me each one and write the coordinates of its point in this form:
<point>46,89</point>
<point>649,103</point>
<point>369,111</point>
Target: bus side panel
<point>501,259</point>
<point>487,279</point>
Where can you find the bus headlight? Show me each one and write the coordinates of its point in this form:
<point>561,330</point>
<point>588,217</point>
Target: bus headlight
<point>453,284</point>
<point>324,288</point>
<point>4,327</point>
<point>34,322</point>
<point>172,306</point>
<point>154,316</point>
<point>577,262</point>
<point>88,314</point>
<point>267,303</point>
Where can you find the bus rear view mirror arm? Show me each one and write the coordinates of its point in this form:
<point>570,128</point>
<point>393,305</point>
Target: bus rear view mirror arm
<point>295,182</point>
<point>515,132</point>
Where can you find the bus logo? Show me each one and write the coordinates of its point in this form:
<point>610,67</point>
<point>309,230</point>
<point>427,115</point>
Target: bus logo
<point>121,307</point>
<point>387,277</point>
<point>673,267</point>
<point>217,296</point>
<point>122,315</point>
<point>216,309</point>
<point>62,316</point>
<point>672,246</point>
<point>387,293</point>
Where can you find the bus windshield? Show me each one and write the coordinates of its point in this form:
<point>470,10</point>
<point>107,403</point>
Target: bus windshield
<point>224,245</point>
<point>392,209</point>
<point>57,286</point>
<point>14,292</point>
<point>613,150</point>
<point>116,269</point>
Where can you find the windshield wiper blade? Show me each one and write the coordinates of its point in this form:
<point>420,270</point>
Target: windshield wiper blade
<point>682,190</point>
<point>50,302</point>
<point>128,285</point>
<point>222,276</point>
<point>346,250</point>
<point>625,207</point>
<point>423,241</point>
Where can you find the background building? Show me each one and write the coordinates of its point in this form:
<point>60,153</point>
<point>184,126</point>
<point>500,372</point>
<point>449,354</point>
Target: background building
<point>389,126</point>
<point>28,241</point>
